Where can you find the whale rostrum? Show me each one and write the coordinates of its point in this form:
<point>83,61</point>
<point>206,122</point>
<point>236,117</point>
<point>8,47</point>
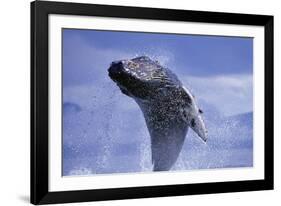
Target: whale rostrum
<point>168,107</point>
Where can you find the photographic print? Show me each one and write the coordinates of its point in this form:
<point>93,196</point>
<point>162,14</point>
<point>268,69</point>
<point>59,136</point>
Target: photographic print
<point>138,102</point>
<point>135,102</point>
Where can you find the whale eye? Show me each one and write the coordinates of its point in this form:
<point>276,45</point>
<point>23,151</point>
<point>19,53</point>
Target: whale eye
<point>200,111</point>
<point>193,123</point>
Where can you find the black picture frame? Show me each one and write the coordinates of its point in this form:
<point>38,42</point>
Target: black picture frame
<point>40,107</point>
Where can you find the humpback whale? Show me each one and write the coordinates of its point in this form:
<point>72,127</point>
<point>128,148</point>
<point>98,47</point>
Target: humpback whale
<point>168,107</point>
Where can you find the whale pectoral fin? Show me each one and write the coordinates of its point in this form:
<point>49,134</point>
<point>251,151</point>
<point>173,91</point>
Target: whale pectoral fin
<point>166,146</point>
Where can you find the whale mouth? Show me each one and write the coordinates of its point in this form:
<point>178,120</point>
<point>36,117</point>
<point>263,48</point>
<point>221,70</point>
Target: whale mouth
<point>124,90</point>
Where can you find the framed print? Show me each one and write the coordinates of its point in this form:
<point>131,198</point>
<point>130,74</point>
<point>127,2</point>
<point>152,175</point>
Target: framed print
<point>131,102</point>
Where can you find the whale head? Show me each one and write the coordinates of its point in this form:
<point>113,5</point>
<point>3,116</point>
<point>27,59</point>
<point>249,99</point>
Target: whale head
<point>141,77</point>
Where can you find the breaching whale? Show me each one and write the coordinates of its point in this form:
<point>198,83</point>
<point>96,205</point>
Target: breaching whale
<point>168,107</point>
